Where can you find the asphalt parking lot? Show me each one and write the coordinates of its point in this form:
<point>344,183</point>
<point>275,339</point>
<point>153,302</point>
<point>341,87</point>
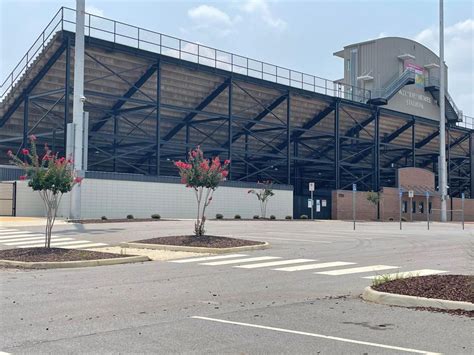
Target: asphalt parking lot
<point>301,296</point>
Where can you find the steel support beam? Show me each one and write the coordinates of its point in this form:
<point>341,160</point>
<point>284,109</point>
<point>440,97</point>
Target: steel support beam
<point>130,92</point>
<point>229,127</point>
<point>376,186</point>
<point>471,161</point>
<point>158,118</point>
<point>413,143</point>
<point>337,150</point>
<point>25,121</point>
<point>67,90</point>
<point>33,83</point>
<point>288,134</point>
<point>206,101</point>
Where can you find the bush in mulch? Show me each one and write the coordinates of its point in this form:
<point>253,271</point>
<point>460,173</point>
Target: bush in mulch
<point>54,255</point>
<point>445,287</point>
<point>104,219</point>
<point>206,241</point>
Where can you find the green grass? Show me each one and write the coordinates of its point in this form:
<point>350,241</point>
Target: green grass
<point>381,279</point>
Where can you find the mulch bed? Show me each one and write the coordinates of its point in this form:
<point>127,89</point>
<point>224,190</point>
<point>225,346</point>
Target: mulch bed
<point>208,241</point>
<point>445,287</point>
<point>54,255</point>
<point>117,220</point>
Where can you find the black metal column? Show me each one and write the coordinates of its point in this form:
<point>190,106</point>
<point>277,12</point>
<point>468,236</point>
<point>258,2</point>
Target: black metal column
<point>337,148</point>
<point>115,143</point>
<point>296,183</point>
<point>448,162</point>
<point>376,186</point>
<point>246,156</point>
<point>471,161</point>
<point>158,118</point>
<point>67,89</point>
<point>186,150</point>
<point>25,122</point>
<point>288,138</point>
<point>229,128</point>
<point>413,143</point>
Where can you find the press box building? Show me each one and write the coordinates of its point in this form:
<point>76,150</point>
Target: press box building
<point>151,98</point>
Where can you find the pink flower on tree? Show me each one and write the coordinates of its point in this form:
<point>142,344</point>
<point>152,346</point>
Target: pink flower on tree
<point>204,176</point>
<point>25,151</point>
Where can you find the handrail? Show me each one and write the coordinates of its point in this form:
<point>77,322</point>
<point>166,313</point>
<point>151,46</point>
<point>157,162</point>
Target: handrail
<point>130,35</point>
<point>393,83</point>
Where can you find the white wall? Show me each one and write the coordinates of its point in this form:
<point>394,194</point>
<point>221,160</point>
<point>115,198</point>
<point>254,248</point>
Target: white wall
<point>117,198</point>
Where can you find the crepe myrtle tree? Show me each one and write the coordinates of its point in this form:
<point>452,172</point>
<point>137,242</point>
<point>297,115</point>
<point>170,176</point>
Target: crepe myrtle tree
<point>203,176</point>
<point>50,175</point>
<point>263,195</point>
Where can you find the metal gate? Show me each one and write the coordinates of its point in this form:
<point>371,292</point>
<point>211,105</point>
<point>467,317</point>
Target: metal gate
<point>322,205</point>
<point>7,198</point>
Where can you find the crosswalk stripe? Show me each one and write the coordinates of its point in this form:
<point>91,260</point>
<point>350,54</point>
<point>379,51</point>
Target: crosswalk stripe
<point>314,266</point>
<point>14,232</point>
<point>89,245</point>
<point>422,272</point>
<point>238,261</point>
<point>30,242</point>
<point>274,263</point>
<point>22,239</point>
<point>6,230</point>
<point>205,258</point>
<point>357,270</point>
<point>19,236</point>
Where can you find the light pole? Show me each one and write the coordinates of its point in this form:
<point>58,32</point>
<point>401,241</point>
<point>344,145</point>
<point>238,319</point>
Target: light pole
<point>442,176</point>
<point>78,108</point>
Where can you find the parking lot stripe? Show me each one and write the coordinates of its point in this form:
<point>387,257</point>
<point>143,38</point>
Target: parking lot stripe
<point>62,243</point>
<point>13,232</point>
<point>314,266</point>
<point>205,258</point>
<point>32,242</point>
<point>422,272</point>
<point>87,245</point>
<point>275,263</point>
<point>19,236</point>
<point>83,244</point>
<point>21,239</point>
<point>238,261</point>
<point>329,337</point>
<point>357,270</point>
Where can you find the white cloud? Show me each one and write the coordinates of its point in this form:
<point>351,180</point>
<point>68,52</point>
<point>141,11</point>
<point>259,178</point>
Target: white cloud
<point>459,56</point>
<point>262,9</point>
<point>94,10</point>
<point>206,17</point>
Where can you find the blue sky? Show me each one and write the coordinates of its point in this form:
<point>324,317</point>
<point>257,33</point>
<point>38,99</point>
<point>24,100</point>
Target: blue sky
<point>300,35</point>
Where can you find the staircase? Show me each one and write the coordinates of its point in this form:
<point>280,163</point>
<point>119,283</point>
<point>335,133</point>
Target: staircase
<point>381,97</point>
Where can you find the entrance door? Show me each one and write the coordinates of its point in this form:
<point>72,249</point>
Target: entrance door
<point>322,205</point>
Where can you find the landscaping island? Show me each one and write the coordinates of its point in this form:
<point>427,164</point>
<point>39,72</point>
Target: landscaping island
<point>60,257</point>
<point>447,293</point>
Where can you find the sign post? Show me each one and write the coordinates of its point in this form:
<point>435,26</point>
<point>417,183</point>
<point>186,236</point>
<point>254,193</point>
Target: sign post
<point>410,195</point>
<point>354,190</point>
<point>311,189</point>
<point>462,210</point>
<point>400,193</point>
<point>428,209</point>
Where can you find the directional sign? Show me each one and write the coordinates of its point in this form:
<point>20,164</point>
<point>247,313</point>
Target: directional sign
<point>311,186</point>
<point>310,203</point>
<point>354,187</point>
<point>411,194</point>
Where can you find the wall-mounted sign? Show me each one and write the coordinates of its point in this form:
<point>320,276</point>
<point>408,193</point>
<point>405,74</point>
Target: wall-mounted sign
<point>419,74</point>
<point>311,186</point>
<point>310,203</point>
<point>324,203</point>
<point>411,194</point>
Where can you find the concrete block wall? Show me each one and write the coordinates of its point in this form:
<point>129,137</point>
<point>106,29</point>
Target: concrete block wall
<point>118,198</point>
<point>342,206</point>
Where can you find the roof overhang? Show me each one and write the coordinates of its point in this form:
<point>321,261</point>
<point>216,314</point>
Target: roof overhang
<point>339,54</point>
<point>406,56</point>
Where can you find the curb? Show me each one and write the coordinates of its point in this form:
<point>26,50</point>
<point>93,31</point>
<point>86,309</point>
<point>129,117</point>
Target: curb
<point>394,299</point>
<point>194,249</point>
<point>73,264</point>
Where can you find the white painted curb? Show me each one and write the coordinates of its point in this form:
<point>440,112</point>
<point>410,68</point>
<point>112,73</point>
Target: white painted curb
<point>195,249</point>
<point>72,264</point>
<point>393,299</point>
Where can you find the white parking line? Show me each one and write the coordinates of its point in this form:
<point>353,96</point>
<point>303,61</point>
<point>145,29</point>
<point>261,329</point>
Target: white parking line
<point>238,261</point>
<point>21,239</point>
<point>345,340</point>
<point>19,236</point>
<point>57,243</point>
<point>90,245</point>
<point>357,270</point>
<point>30,242</point>
<point>14,232</point>
<point>205,258</point>
<point>314,266</point>
<point>422,272</point>
<point>84,244</point>
<point>275,263</point>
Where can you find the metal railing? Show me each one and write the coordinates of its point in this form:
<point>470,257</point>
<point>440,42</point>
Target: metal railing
<point>467,122</point>
<point>393,84</point>
<point>129,35</point>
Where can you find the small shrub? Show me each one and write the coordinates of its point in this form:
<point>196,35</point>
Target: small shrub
<point>256,216</point>
<point>381,279</point>
<point>155,216</point>
<point>391,219</point>
<point>219,216</point>
<point>272,217</point>
<point>130,216</point>
<point>404,219</point>
<point>288,217</point>
<point>103,218</point>
<point>303,216</point>
<point>237,216</point>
